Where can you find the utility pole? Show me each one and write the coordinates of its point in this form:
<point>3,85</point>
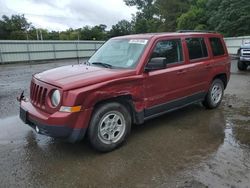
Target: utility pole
<point>37,35</point>
<point>41,35</point>
<point>27,36</point>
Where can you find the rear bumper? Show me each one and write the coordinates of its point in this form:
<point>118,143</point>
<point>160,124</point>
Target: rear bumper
<point>67,126</point>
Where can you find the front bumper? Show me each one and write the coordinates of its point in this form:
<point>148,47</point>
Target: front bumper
<point>245,59</point>
<point>67,126</point>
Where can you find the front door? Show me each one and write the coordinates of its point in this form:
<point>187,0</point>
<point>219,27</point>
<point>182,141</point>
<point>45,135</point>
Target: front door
<point>163,88</point>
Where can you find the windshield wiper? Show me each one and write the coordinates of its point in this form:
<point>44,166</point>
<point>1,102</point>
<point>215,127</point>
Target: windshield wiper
<point>106,65</point>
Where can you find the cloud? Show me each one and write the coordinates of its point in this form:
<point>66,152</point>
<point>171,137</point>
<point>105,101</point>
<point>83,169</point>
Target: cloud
<point>103,12</point>
<point>64,14</point>
<point>4,10</point>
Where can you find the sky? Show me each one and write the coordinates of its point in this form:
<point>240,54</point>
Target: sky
<point>60,15</point>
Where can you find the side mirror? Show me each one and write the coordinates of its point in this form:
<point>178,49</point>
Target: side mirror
<point>156,63</point>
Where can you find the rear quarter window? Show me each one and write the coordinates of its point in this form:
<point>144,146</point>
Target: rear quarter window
<point>217,47</point>
<point>197,48</point>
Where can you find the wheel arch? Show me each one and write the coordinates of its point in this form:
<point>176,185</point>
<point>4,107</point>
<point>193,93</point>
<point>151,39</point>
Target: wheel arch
<point>127,102</point>
<point>223,78</point>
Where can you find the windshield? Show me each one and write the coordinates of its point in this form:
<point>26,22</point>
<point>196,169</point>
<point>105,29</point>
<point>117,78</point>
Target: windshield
<point>119,53</point>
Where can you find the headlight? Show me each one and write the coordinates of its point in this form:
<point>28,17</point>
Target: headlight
<point>55,98</point>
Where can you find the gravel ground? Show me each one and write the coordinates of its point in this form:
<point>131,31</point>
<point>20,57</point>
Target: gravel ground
<point>191,147</point>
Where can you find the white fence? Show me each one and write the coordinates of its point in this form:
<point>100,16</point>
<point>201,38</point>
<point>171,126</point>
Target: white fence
<point>234,43</point>
<point>17,51</point>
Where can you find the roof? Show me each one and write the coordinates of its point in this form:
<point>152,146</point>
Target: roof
<point>165,34</point>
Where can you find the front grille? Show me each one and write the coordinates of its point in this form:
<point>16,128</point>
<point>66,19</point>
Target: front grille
<point>245,52</point>
<point>38,95</point>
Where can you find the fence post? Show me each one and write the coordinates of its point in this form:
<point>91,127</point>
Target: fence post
<point>77,52</point>
<point>28,50</point>
<point>1,57</point>
<point>54,50</point>
<point>95,47</point>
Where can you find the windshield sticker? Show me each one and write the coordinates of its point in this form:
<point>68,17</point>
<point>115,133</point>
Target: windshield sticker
<point>138,41</point>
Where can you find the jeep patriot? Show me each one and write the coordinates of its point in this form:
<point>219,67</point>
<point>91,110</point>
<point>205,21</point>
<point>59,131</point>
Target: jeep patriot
<point>129,80</point>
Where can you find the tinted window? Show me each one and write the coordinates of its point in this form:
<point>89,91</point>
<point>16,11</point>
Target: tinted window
<point>169,49</point>
<point>196,48</point>
<point>217,47</point>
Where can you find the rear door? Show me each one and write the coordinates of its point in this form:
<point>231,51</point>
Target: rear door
<point>199,64</point>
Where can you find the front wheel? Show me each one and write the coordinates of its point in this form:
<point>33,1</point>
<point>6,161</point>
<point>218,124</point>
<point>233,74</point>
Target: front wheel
<point>109,126</point>
<point>214,95</point>
<point>242,66</point>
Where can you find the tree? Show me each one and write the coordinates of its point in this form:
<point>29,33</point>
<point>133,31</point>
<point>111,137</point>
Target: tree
<point>123,27</point>
<point>230,17</point>
<point>146,7</point>
<point>146,19</point>
<point>64,35</point>
<point>53,35</point>
<point>99,33</point>
<point>143,25</point>
<point>168,12</point>
<point>195,18</point>
<point>15,27</point>
<point>93,33</point>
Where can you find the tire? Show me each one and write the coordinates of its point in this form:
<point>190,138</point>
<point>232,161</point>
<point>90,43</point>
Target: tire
<point>242,66</point>
<point>109,127</point>
<point>214,95</point>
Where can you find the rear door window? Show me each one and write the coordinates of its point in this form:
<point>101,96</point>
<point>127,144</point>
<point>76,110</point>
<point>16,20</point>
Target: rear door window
<point>217,47</point>
<point>197,48</point>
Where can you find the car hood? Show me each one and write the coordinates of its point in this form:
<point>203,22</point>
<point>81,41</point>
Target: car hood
<point>76,76</point>
<point>245,46</point>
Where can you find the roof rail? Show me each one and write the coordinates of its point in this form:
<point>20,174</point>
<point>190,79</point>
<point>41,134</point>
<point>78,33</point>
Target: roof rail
<point>195,31</point>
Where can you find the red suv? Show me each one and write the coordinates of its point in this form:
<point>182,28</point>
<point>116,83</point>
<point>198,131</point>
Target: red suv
<point>129,80</point>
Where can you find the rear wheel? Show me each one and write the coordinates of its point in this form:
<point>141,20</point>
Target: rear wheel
<point>214,95</point>
<point>109,126</point>
<point>242,65</point>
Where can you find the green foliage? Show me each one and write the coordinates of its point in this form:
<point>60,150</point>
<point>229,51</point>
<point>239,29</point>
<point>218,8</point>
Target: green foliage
<point>14,27</point>
<point>195,18</point>
<point>146,7</point>
<point>169,11</point>
<point>146,19</point>
<point>123,27</point>
<point>53,35</point>
<point>93,33</point>
<point>17,28</point>
<point>229,17</point>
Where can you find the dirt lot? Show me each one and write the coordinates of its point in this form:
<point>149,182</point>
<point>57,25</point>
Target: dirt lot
<point>192,147</point>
